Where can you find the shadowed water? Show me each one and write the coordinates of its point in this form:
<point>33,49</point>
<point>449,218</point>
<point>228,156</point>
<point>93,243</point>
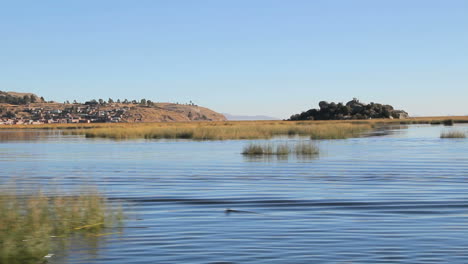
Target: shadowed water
<point>401,197</point>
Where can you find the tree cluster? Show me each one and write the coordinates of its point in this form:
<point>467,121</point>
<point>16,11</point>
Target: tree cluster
<point>7,98</point>
<point>351,110</point>
<point>142,102</point>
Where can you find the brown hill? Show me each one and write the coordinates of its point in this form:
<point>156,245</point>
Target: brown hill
<point>28,106</point>
<point>19,98</point>
<point>168,112</point>
<point>158,112</point>
<point>21,94</point>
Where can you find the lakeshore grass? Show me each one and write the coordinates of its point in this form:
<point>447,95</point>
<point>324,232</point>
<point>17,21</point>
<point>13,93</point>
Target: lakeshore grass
<point>30,223</point>
<point>453,134</point>
<point>281,149</point>
<point>227,130</point>
<point>83,126</point>
<point>224,130</point>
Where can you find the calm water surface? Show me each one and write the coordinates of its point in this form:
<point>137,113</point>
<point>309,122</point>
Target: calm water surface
<point>398,198</point>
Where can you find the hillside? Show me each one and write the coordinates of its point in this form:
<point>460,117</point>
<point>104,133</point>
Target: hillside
<point>19,98</point>
<point>169,112</point>
<point>15,111</point>
<point>231,117</point>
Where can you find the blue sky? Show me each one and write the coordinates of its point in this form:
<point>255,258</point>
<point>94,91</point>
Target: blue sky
<point>250,57</point>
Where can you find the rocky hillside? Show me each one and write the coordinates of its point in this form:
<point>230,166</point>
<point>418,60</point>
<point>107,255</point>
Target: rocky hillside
<point>351,110</point>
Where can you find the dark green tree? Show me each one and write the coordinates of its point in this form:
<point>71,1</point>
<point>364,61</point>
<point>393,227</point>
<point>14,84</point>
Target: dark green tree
<point>10,114</point>
<point>26,99</point>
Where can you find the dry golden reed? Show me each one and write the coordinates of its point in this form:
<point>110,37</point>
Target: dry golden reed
<point>453,134</point>
<point>29,224</point>
<point>227,130</point>
<point>299,149</point>
<point>331,129</point>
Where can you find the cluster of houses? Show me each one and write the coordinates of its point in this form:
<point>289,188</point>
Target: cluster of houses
<point>70,114</point>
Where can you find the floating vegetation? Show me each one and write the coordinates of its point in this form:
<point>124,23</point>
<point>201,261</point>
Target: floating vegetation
<point>283,149</point>
<point>30,223</point>
<point>453,134</point>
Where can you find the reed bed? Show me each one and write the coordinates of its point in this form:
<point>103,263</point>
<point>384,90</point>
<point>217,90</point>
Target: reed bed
<point>448,120</point>
<point>282,149</point>
<point>29,224</point>
<point>266,149</point>
<point>224,130</point>
<point>306,149</point>
<point>453,134</point>
<point>227,130</point>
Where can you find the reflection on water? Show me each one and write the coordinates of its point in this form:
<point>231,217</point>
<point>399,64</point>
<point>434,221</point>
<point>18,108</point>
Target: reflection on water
<point>386,130</point>
<point>8,135</point>
<point>398,198</point>
<point>280,158</point>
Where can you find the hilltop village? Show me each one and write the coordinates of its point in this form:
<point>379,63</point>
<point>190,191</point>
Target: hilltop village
<point>35,115</point>
<point>28,109</point>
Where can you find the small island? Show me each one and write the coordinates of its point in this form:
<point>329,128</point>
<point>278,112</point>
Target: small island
<point>353,109</point>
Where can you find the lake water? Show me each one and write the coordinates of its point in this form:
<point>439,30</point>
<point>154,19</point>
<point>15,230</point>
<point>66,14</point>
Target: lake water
<point>397,198</point>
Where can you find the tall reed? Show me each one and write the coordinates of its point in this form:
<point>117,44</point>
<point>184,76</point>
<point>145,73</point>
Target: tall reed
<point>28,224</point>
<point>453,134</point>
<point>304,148</point>
<point>301,148</point>
<point>227,130</point>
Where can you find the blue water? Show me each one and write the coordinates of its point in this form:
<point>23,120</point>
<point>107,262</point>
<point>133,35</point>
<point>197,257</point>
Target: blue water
<point>397,198</point>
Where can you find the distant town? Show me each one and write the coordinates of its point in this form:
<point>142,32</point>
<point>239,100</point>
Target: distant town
<point>29,109</point>
<point>90,113</point>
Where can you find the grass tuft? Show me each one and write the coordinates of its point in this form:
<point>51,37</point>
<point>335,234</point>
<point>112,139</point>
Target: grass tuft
<point>301,148</point>
<point>282,149</point>
<point>29,223</point>
<point>306,149</point>
<point>258,149</point>
<point>453,134</point>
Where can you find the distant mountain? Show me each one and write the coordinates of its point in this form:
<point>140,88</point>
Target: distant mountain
<point>241,117</point>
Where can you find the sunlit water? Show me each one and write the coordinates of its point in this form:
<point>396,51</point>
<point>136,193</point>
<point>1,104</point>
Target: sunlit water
<point>398,198</point>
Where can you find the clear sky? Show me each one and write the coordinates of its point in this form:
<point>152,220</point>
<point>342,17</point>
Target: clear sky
<point>250,57</point>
